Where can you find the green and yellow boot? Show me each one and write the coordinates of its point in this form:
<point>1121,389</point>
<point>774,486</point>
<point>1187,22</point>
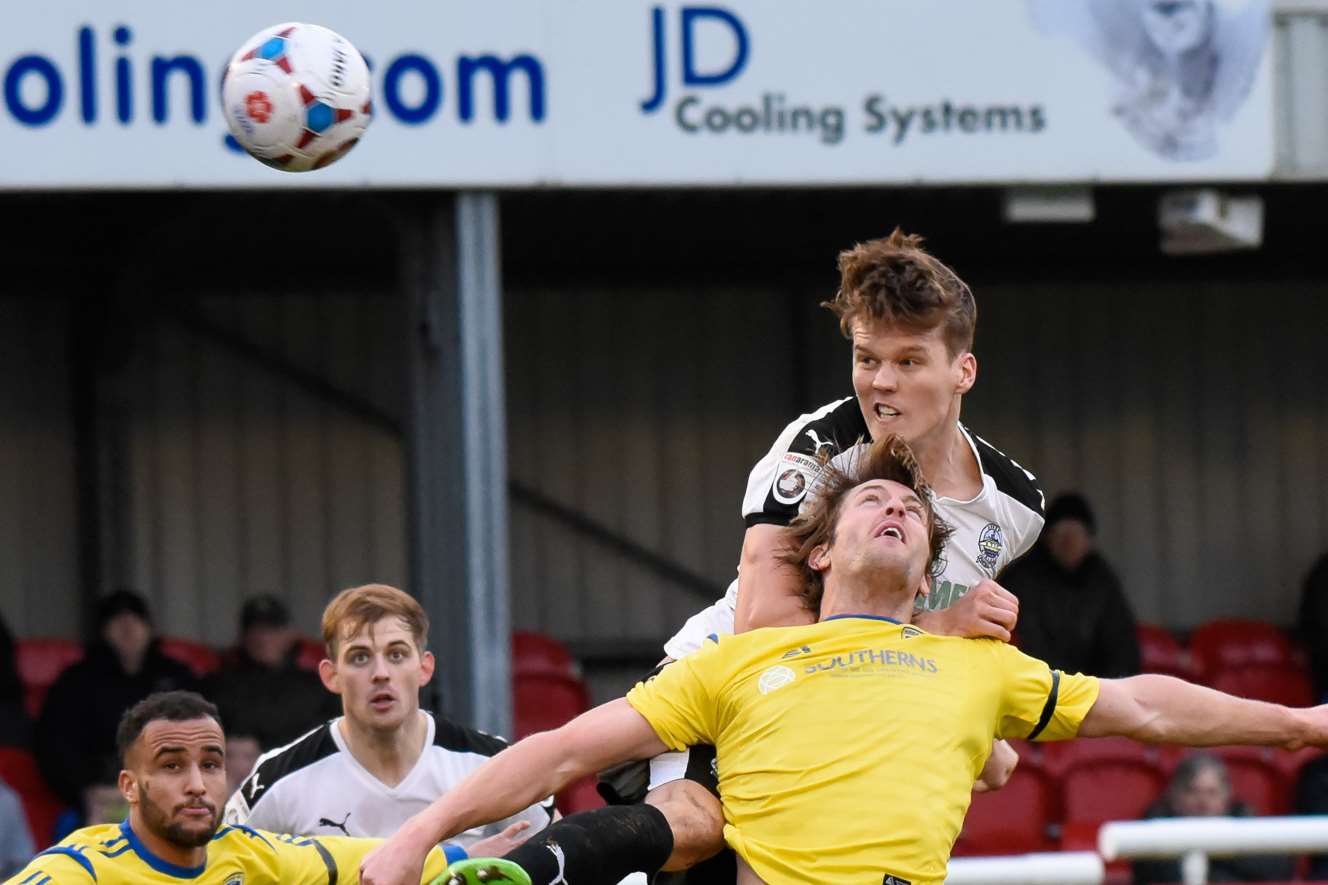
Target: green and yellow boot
<point>483,871</point>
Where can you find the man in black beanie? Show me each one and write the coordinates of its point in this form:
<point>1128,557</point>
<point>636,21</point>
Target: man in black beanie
<point>75,739</point>
<point>1072,611</point>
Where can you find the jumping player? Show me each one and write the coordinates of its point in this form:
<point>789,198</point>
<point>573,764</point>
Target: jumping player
<point>384,759</point>
<point>174,778</point>
<point>849,746</point>
<point>911,321</point>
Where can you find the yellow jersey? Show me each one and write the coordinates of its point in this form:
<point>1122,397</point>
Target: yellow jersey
<point>847,749</point>
<point>111,854</point>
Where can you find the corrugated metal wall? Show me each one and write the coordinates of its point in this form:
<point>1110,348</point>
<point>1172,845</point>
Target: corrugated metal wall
<point>253,443</point>
<point>245,465</point>
<point>39,593</point>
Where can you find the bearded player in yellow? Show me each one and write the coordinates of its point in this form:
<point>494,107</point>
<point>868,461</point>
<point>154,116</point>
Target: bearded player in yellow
<point>847,749</point>
<point>174,780</point>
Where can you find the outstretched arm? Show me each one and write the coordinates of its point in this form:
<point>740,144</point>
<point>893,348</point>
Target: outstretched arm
<point>1162,709</point>
<point>524,773</point>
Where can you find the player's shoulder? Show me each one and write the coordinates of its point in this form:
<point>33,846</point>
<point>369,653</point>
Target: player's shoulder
<point>280,764</point>
<point>451,737</point>
<point>1011,478</point>
<point>831,429</point>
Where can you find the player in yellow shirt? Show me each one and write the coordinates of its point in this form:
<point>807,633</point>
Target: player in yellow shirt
<point>847,749</point>
<point>174,780</point>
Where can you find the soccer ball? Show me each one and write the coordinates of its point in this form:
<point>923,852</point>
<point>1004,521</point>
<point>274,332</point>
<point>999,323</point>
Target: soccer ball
<point>296,96</point>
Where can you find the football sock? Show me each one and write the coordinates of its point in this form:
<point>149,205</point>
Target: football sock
<point>598,847</point>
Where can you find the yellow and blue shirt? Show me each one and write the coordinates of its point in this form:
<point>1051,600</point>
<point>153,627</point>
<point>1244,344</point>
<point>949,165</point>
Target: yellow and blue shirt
<point>847,749</point>
<point>112,854</point>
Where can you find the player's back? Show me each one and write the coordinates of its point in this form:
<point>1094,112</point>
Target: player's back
<point>112,854</point>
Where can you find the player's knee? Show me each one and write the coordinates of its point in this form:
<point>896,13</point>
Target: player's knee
<point>696,819</point>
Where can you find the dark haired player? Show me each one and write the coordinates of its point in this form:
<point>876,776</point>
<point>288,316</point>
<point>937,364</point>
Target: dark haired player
<point>174,780</point>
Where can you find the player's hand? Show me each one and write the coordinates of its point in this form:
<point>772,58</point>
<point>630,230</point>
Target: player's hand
<point>987,609</point>
<point>398,861</point>
<point>1000,765</point>
<point>501,843</point>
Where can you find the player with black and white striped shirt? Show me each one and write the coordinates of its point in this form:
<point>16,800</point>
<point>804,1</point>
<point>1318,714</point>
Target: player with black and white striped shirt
<point>366,772</point>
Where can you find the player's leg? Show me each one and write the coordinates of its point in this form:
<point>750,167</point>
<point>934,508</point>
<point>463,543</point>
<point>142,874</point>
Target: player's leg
<point>600,847</point>
<point>685,787</point>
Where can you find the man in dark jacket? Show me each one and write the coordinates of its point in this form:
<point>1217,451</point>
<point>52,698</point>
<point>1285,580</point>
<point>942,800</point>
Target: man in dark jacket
<point>13,718</point>
<point>121,666</point>
<point>1072,611</point>
<point>261,691</point>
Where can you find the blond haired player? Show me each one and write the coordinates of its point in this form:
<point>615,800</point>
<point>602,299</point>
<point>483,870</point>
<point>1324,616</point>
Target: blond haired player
<point>384,759</point>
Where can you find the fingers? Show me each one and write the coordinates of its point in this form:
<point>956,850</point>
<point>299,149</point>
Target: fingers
<point>516,828</point>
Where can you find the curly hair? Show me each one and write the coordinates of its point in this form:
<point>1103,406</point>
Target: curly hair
<point>895,280</point>
<point>887,458</point>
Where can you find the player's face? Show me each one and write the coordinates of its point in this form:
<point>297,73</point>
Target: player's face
<point>378,673</point>
<point>883,529</point>
<point>906,382</point>
<point>176,780</point>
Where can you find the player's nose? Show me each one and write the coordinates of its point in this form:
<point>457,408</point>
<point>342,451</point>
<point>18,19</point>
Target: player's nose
<point>885,378</point>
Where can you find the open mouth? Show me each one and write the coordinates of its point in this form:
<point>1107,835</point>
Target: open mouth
<point>891,530</point>
<point>883,411</point>
<point>381,700</point>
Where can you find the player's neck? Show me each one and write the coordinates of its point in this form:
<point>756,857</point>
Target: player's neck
<point>387,755</point>
<point>166,850</point>
<point>948,462</point>
<point>852,598</point>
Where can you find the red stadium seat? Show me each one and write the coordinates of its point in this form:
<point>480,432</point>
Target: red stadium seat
<point>1058,757</point>
<point>40,661</point>
<point>1255,778</point>
<point>580,796</point>
<point>1280,683</point>
<point>537,654</point>
<point>1096,791</point>
<point>42,808</point>
<point>540,703</point>
<point>1160,652</point>
<point>1015,819</point>
<point>1221,645</point>
<point>312,651</point>
<point>200,658</point>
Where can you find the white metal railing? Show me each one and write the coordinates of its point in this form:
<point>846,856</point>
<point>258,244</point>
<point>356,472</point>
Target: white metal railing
<point>1195,839</point>
<point>1191,839</point>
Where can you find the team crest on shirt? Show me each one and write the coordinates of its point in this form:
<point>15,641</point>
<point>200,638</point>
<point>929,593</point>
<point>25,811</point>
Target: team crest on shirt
<point>990,543</point>
<point>775,678</point>
<point>795,652</point>
<point>793,476</point>
<point>910,631</point>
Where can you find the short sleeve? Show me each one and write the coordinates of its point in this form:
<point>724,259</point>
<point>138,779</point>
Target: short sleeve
<point>781,480</point>
<point>319,860</point>
<point>1037,702</point>
<point>679,702</point>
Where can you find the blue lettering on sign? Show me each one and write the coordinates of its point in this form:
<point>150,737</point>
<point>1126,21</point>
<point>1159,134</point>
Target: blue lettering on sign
<point>689,18</point>
<point>392,89</point>
<point>44,68</point>
<point>34,85</point>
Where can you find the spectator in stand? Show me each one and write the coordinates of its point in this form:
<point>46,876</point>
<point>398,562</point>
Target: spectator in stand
<point>14,725</point>
<point>1201,788</point>
<point>1072,611</point>
<point>1313,623</point>
<point>261,688</point>
<point>121,665</point>
<point>15,840</point>
<point>242,751</point>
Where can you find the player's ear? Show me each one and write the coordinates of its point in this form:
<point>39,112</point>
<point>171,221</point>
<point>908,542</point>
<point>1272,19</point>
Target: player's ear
<point>128,785</point>
<point>966,373</point>
<point>327,671</point>
<point>427,665</point>
<point>819,559</point>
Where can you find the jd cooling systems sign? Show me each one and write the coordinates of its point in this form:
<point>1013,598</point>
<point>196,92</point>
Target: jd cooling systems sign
<point>614,92</point>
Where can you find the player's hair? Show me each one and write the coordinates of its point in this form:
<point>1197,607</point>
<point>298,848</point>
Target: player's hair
<point>354,609</point>
<point>887,458</point>
<point>895,280</point>
<point>172,706</point>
